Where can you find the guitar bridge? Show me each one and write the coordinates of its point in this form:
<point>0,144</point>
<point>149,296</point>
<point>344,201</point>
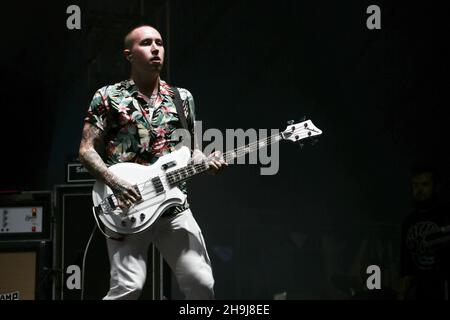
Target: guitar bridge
<point>98,209</point>
<point>111,203</point>
<point>106,206</point>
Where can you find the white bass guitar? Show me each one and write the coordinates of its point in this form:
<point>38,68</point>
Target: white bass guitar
<point>158,183</point>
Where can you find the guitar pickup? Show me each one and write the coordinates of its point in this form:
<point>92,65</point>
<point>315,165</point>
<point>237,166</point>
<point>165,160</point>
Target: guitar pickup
<point>158,185</point>
<point>135,187</point>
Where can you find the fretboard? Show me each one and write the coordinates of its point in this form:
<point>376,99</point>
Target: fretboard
<point>175,177</point>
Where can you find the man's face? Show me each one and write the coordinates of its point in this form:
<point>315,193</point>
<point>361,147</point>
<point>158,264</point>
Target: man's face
<point>147,51</point>
<point>423,187</point>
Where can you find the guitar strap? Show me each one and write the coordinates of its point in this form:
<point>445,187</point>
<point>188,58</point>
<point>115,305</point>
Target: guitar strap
<point>179,106</point>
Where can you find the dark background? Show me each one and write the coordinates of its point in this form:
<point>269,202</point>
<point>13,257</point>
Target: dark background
<point>333,208</point>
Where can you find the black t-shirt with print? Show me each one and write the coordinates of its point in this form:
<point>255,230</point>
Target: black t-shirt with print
<point>426,251</point>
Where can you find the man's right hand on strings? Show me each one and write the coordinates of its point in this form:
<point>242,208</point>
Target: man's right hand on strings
<point>125,193</point>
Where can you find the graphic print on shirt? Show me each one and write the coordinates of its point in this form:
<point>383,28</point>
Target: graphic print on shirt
<point>415,241</point>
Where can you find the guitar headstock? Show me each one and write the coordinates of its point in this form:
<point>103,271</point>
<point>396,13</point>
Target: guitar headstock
<point>298,132</point>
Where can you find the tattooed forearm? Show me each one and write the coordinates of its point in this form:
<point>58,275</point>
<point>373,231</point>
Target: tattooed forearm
<point>95,165</point>
<point>90,147</point>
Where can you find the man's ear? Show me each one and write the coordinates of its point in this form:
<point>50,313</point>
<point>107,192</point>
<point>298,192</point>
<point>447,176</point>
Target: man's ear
<point>127,54</point>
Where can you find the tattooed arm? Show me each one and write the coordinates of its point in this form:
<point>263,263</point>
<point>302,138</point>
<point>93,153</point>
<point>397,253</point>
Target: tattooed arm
<point>90,146</point>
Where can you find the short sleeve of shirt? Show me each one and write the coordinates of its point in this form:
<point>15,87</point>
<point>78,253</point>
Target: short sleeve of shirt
<point>97,111</point>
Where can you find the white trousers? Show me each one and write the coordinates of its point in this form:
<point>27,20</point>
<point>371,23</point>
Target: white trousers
<point>180,241</point>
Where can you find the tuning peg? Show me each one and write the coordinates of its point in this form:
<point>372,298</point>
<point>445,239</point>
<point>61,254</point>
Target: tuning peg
<point>290,122</point>
<point>303,118</point>
<point>314,141</point>
<point>301,145</point>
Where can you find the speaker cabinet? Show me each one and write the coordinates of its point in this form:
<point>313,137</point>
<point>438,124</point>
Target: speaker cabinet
<point>25,272</point>
<point>75,225</point>
<point>26,245</point>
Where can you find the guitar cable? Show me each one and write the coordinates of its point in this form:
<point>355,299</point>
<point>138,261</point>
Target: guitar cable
<point>84,260</point>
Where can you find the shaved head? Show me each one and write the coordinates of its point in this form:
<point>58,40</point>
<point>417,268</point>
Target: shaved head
<point>144,49</point>
<point>129,39</point>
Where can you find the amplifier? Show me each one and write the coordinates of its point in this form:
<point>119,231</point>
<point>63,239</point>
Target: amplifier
<point>25,270</point>
<point>26,245</point>
<point>26,216</point>
<point>75,223</point>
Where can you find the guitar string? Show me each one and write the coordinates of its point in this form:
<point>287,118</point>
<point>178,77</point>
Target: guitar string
<point>236,153</point>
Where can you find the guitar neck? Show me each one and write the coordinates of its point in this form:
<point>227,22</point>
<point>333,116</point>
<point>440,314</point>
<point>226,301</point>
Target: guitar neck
<point>175,177</point>
<point>251,147</point>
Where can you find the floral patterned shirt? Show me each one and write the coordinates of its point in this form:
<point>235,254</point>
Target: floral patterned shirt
<point>123,113</point>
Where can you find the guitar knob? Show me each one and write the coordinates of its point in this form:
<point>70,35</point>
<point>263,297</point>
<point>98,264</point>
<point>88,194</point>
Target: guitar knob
<point>142,216</point>
<point>123,223</point>
<point>133,219</point>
